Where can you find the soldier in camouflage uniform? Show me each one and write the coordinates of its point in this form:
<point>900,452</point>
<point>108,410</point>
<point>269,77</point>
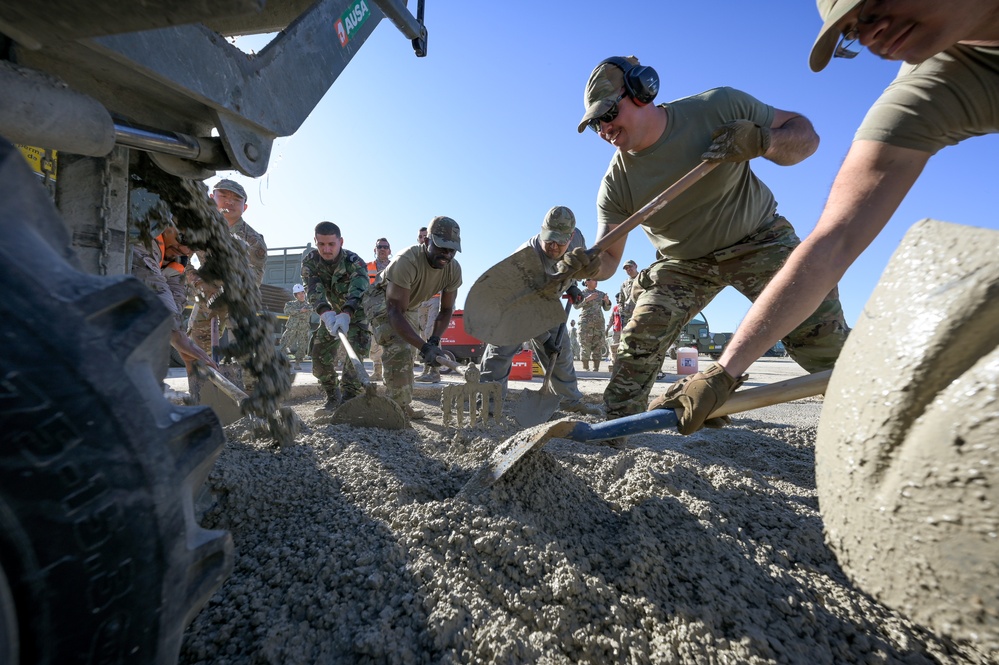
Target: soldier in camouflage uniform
<point>230,198</point>
<point>383,255</point>
<point>574,340</point>
<point>335,280</point>
<point>417,273</point>
<point>591,324</point>
<point>298,329</point>
<point>625,297</point>
<point>724,230</point>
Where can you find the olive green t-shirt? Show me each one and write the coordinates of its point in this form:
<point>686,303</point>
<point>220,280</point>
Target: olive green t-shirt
<point>725,206</point>
<point>950,97</point>
<point>410,270</point>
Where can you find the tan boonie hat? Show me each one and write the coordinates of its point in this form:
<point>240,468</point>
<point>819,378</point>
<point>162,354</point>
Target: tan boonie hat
<point>832,12</point>
<point>231,186</point>
<point>445,233</point>
<point>558,226</point>
<point>605,84</point>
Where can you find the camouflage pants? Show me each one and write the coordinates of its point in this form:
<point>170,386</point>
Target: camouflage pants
<point>375,354</point>
<point>325,348</point>
<point>676,290</point>
<point>591,342</point>
<point>296,340</point>
<point>614,342</point>
<point>397,359</point>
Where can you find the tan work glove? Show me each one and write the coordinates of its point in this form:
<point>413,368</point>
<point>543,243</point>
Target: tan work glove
<point>578,264</point>
<point>737,141</point>
<point>696,396</point>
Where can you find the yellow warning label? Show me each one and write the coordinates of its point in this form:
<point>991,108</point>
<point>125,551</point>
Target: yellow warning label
<point>42,161</point>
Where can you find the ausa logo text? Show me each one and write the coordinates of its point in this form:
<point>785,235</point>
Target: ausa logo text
<point>351,21</point>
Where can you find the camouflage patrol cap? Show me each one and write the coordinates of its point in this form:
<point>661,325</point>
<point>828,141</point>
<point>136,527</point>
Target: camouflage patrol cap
<point>445,233</point>
<point>605,84</point>
<point>630,263</point>
<point>231,186</point>
<point>558,226</point>
<point>832,12</point>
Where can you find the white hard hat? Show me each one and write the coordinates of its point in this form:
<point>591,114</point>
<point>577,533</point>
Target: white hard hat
<point>298,288</point>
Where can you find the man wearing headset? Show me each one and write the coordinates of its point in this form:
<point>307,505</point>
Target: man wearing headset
<point>723,231</point>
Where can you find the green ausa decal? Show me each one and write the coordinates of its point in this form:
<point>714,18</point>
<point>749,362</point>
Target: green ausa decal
<point>351,21</point>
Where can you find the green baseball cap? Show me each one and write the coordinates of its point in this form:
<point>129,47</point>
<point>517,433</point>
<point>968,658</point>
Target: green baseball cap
<point>231,186</point>
<point>605,84</point>
<point>558,226</point>
<point>832,12</point>
<point>445,233</point>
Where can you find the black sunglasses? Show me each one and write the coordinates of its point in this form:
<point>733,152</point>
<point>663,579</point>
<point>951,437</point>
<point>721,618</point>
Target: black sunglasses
<point>608,116</point>
<point>382,247</point>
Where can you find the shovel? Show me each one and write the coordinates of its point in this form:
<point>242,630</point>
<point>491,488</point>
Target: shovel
<point>369,409</point>
<point>515,300</point>
<point>511,451</point>
<point>534,408</point>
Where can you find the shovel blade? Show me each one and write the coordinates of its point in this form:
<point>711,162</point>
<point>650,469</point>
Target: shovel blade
<point>534,408</point>
<point>370,411</point>
<point>512,301</point>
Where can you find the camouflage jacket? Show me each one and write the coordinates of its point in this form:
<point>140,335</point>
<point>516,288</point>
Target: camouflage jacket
<point>299,314</point>
<point>255,246</point>
<point>335,284</point>
<point>590,315</point>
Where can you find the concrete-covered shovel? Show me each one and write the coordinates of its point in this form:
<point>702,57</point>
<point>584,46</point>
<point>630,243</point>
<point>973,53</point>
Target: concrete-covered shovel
<point>516,448</point>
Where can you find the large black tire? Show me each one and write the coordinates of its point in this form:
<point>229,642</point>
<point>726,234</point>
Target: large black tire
<point>99,546</point>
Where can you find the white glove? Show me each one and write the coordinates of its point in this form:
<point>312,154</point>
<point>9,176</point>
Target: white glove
<point>335,322</point>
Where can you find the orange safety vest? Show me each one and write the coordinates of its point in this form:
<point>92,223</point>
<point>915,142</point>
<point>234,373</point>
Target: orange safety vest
<point>372,272</point>
<point>179,267</point>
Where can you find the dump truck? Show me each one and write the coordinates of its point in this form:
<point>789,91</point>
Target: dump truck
<point>102,558</point>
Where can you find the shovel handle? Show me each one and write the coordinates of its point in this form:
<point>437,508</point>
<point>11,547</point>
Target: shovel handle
<point>652,207</point>
<point>354,360</point>
<point>745,400</point>
<point>224,384</point>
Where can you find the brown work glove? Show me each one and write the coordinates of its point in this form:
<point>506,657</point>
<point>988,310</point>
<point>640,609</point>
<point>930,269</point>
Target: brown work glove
<point>696,396</point>
<point>737,141</point>
<point>578,264</point>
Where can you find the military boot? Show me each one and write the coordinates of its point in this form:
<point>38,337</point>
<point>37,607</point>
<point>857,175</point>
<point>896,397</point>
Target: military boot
<point>432,376</point>
<point>333,400</point>
<point>596,366</point>
<point>586,366</point>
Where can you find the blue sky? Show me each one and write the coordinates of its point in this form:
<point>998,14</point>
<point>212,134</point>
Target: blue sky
<point>484,129</point>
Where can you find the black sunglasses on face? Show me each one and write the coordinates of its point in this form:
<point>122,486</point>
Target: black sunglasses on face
<point>382,247</point>
<point>608,116</point>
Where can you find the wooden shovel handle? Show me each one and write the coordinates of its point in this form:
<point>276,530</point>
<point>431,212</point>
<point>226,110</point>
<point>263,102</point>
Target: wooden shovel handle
<point>652,207</point>
<point>775,393</point>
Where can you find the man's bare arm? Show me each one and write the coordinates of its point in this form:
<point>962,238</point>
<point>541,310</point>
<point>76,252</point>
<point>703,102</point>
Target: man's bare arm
<point>792,138</point>
<point>869,187</point>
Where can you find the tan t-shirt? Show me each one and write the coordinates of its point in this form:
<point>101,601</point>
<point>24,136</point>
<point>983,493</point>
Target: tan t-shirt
<point>410,270</point>
<point>722,208</point>
<point>950,97</point>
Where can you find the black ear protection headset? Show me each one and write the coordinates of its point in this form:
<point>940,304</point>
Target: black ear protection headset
<point>640,83</point>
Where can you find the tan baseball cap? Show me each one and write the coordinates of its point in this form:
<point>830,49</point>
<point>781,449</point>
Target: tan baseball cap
<point>602,90</point>
<point>558,226</point>
<point>445,233</point>
<point>832,12</point>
